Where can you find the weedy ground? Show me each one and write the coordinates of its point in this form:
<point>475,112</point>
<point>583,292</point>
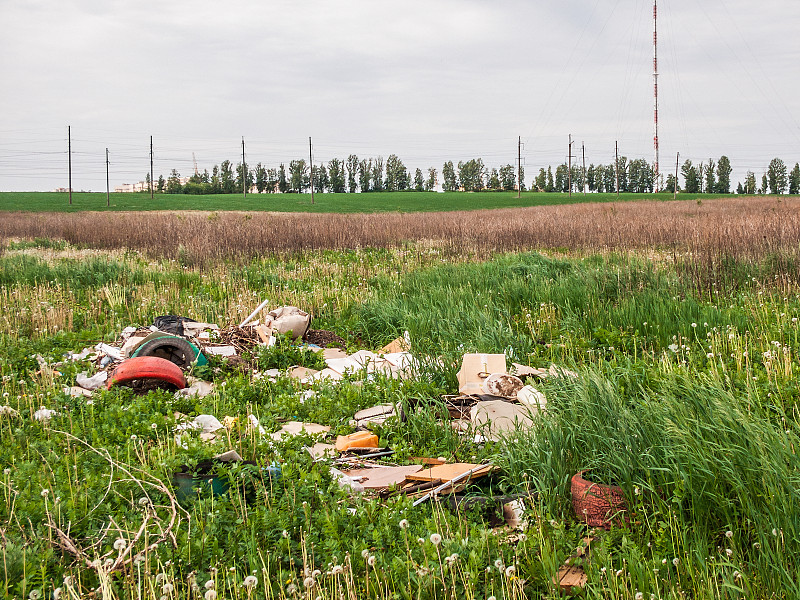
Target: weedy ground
<point>686,397</point>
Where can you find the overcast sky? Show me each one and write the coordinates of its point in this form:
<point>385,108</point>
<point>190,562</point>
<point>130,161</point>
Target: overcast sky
<point>427,80</point>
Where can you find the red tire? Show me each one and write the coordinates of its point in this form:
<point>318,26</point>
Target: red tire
<point>596,504</point>
<point>150,368</point>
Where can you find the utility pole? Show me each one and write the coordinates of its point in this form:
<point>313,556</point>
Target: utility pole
<point>569,167</point>
<point>152,183</point>
<point>655,93</point>
<point>616,164</point>
<point>311,167</point>
<point>583,154</point>
<point>675,190</point>
<point>244,172</point>
<point>69,153</point>
<point>108,187</point>
<point>519,167</point>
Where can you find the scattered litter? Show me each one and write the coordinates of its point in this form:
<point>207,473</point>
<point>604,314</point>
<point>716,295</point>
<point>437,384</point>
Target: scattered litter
<point>320,450</point>
<point>110,351</point>
<point>346,482</point>
<point>229,456</point>
<point>377,415</point>
<point>220,350</point>
<point>302,373</point>
<point>401,344</point>
<point>253,420</point>
<point>475,368</point>
<point>253,314</point>
<point>296,428</point>
<point>554,371</point>
<point>380,478</point>
<point>197,388</point>
<point>359,439</point>
<point>82,355</point>
<point>532,398</point>
<point>77,392</point>
<point>288,319</point>
<point>173,348</point>
<point>496,417</point>
<point>44,414</point>
<point>92,383</point>
<point>514,515</point>
<point>206,423</point>
<point>502,384</point>
<point>328,353</point>
<point>449,470</point>
<point>571,576</point>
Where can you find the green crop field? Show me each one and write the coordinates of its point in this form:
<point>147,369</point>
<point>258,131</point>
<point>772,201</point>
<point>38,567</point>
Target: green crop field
<point>323,203</point>
<point>680,322</point>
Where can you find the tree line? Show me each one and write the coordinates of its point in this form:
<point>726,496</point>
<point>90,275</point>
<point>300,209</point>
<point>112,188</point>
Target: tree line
<point>364,175</point>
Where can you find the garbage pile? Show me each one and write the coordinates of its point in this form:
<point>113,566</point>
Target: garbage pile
<point>492,401</point>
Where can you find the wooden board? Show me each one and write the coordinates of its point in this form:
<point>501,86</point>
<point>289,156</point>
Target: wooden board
<point>379,478</point>
<point>448,472</point>
<point>571,577</point>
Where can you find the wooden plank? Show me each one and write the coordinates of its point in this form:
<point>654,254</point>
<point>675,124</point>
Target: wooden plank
<point>449,471</point>
<point>379,478</point>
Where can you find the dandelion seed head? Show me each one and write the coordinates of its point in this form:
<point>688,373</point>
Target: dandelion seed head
<point>676,561</point>
<point>120,544</point>
<point>210,584</point>
<point>210,595</point>
<point>403,524</point>
<point>436,539</point>
<point>510,570</point>
<point>337,570</point>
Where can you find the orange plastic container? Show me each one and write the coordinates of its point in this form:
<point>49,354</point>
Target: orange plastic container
<point>359,439</point>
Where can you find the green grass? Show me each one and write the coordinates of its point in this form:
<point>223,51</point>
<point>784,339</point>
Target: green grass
<point>690,404</point>
<point>323,203</point>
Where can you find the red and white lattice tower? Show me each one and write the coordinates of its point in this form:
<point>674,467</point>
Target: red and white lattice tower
<point>655,93</point>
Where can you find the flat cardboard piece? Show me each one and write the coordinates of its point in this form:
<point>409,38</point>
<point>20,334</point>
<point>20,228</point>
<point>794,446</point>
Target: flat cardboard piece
<point>301,372</point>
<point>320,450</point>
<point>496,417</point>
<point>448,472</point>
<point>333,353</point>
<point>571,577</point>
<point>398,345</point>
<point>475,368</point>
<point>380,478</point>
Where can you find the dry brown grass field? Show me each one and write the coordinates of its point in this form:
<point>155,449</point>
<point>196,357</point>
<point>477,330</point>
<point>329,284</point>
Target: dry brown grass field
<point>700,237</point>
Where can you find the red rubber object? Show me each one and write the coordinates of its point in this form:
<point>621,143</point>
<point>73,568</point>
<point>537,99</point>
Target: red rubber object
<point>147,367</point>
<point>597,504</point>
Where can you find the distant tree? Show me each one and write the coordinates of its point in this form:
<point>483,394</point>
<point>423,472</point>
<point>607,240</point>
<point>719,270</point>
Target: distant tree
<point>641,176</point>
<point>377,174</point>
<point>670,186</point>
<point>777,176</point>
<point>562,178</point>
<point>739,188</point>
<point>365,174</point>
<point>419,181</point>
<point>540,181</point>
<point>239,177</point>
<point>147,180</point>
<point>272,181</point>
<point>750,183</point>
<point>551,186</point>
<point>623,174</point>
<point>161,184</point>
<point>337,176</point>
<point>449,181</point>
<point>508,178</point>
<point>352,173</point>
<point>319,178</point>
<point>226,180</point>
<point>691,180</point>
<point>174,182</point>
<point>283,183</point>
<point>724,171</point>
<point>591,184</point>
<point>432,180</point>
<point>397,178</point>
<point>794,179</point>
<point>577,179</point>
<point>610,178</point>
<point>216,185</point>
<point>261,178</point>
<point>471,174</point>
<point>711,184</point>
<point>522,187</point>
<point>764,184</point>
<point>299,175</point>
<point>493,181</point>
<point>205,177</point>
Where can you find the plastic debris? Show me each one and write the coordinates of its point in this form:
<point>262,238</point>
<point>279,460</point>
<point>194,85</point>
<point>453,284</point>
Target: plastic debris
<point>346,481</point>
<point>359,439</point>
<point>92,383</point>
